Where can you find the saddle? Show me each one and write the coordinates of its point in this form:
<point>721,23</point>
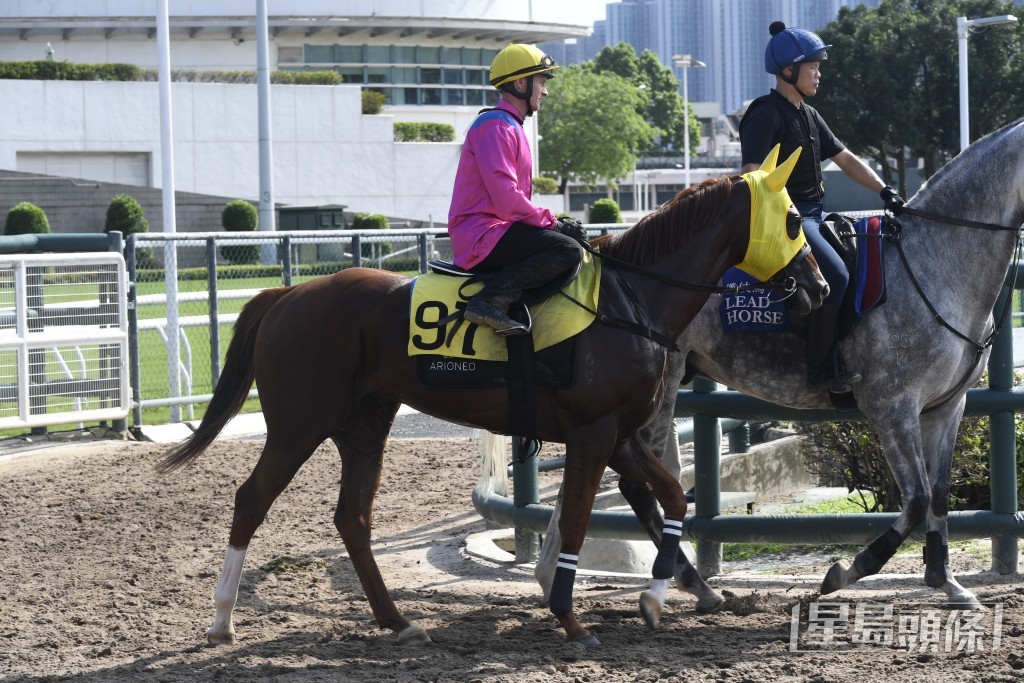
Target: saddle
<point>859,244</point>
<point>456,354</point>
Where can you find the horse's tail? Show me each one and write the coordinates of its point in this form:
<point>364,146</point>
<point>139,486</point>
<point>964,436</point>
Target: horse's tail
<point>233,385</point>
<point>493,461</point>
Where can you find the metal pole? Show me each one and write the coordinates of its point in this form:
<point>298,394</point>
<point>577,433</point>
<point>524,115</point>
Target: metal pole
<point>1003,447</point>
<point>961,36</point>
<point>686,117</point>
<point>266,209</point>
<point>170,222</point>
<point>525,491</point>
<point>707,448</point>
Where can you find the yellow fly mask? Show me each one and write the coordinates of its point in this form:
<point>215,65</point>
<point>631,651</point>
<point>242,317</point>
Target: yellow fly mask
<point>770,248</point>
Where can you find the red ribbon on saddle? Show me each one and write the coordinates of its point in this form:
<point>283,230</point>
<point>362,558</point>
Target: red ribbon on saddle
<point>870,274</point>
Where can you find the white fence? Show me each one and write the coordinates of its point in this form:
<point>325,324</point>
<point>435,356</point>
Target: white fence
<point>63,339</point>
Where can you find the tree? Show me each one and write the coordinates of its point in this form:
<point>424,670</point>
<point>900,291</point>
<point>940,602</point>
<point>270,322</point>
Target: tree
<point>589,126</point>
<point>891,85</point>
<point>661,103</point>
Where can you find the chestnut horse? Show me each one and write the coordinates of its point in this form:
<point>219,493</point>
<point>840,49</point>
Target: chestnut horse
<point>330,359</point>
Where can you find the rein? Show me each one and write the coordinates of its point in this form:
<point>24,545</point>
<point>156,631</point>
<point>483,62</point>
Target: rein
<point>788,286</point>
<point>979,346</point>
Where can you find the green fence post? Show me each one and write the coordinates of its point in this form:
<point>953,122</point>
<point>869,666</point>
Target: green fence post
<point>707,449</point>
<point>1002,446</point>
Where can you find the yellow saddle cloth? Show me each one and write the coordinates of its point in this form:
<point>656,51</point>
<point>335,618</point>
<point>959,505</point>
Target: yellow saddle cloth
<point>554,320</point>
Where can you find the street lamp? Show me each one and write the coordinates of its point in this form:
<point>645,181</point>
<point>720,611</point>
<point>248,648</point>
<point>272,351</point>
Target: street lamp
<point>963,26</point>
<point>686,62</point>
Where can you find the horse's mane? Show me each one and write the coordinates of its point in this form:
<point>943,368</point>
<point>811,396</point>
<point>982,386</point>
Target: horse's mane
<point>672,225</point>
<point>991,148</point>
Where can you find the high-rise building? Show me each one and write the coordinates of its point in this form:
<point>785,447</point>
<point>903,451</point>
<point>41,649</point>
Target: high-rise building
<point>727,35</point>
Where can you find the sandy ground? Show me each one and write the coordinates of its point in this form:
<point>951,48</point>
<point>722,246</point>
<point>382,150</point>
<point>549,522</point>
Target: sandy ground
<point>107,572</point>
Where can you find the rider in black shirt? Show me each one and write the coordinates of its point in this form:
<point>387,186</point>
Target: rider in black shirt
<point>782,117</point>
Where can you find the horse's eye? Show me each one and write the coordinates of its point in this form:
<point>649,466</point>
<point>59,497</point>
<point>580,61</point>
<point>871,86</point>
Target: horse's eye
<point>793,223</point>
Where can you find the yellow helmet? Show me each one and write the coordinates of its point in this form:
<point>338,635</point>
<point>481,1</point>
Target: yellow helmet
<point>518,60</point>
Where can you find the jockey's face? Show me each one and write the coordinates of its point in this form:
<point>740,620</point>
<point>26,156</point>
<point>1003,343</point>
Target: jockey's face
<point>540,90</point>
<point>810,76</point>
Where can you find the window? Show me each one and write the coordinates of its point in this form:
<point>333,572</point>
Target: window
<point>471,56</point>
<point>350,54</point>
<point>378,54</point>
<point>377,74</point>
<point>451,55</point>
<point>289,55</point>
<point>455,96</point>
<point>431,95</point>
<point>428,55</point>
<point>350,74</point>
<point>405,55</point>
<point>474,77</point>
<point>475,97</point>
<point>320,54</point>
<point>403,74</point>
<point>430,75</point>
<point>452,76</point>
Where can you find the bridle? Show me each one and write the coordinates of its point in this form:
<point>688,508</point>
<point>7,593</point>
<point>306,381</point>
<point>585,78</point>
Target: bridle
<point>787,285</point>
<point>893,235</point>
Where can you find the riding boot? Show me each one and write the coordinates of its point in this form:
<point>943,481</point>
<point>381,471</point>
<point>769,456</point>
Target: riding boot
<point>824,366</point>
<point>490,305</point>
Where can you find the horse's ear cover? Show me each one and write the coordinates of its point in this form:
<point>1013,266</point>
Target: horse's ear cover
<point>778,176</point>
<point>770,247</point>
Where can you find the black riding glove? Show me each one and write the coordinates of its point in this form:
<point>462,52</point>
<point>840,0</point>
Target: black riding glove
<point>893,201</point>
<point>573,228</point>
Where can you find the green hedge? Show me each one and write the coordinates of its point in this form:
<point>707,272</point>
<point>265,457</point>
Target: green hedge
<point>25,218</point>
<point>48,70</point>
<point>605,211</point>
<point>545,185</point>
<point>245,272</point>
<point>371,221</point>
<point>373,102</point>
<point>418,131</point>
<point>240,216</point>
<point>849,454</point>
<point>124,213</point>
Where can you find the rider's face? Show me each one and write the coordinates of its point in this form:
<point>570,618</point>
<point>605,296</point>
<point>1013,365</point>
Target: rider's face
<point>810,75</point>
<point>540,90</point>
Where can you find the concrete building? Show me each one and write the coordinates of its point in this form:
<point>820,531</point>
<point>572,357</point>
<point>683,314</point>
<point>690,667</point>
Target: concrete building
<point>430,58</point>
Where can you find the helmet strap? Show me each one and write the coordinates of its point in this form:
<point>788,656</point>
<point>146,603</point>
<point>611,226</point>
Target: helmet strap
<point>794,76</point>
<point>526,95</point>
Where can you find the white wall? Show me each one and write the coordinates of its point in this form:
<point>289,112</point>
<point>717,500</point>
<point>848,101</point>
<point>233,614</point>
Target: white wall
<point>325,150</point>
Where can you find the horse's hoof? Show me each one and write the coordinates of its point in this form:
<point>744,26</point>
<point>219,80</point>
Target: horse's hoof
<point>709,603</point>
<point>650,609</point>
<point>965,603</point>
<point>835,579</point>
<point>220,637</point>
<point>413,636</point>
<point>587,640</point>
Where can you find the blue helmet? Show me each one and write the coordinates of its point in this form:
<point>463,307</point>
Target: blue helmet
<point>792,46</point>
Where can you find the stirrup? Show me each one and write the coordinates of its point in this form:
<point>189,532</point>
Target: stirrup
<point>493,318</point>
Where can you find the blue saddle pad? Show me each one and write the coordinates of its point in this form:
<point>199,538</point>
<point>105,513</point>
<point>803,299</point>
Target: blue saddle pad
<point>753,310</point>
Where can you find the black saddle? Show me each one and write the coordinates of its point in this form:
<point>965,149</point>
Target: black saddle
<point>530,296</point>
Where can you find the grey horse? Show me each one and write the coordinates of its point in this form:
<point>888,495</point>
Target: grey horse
<point>918,353</point>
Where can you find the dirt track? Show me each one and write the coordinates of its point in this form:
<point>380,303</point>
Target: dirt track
<point>107,572</point>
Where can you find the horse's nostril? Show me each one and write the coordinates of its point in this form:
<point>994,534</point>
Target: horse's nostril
<point>824,292</point>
